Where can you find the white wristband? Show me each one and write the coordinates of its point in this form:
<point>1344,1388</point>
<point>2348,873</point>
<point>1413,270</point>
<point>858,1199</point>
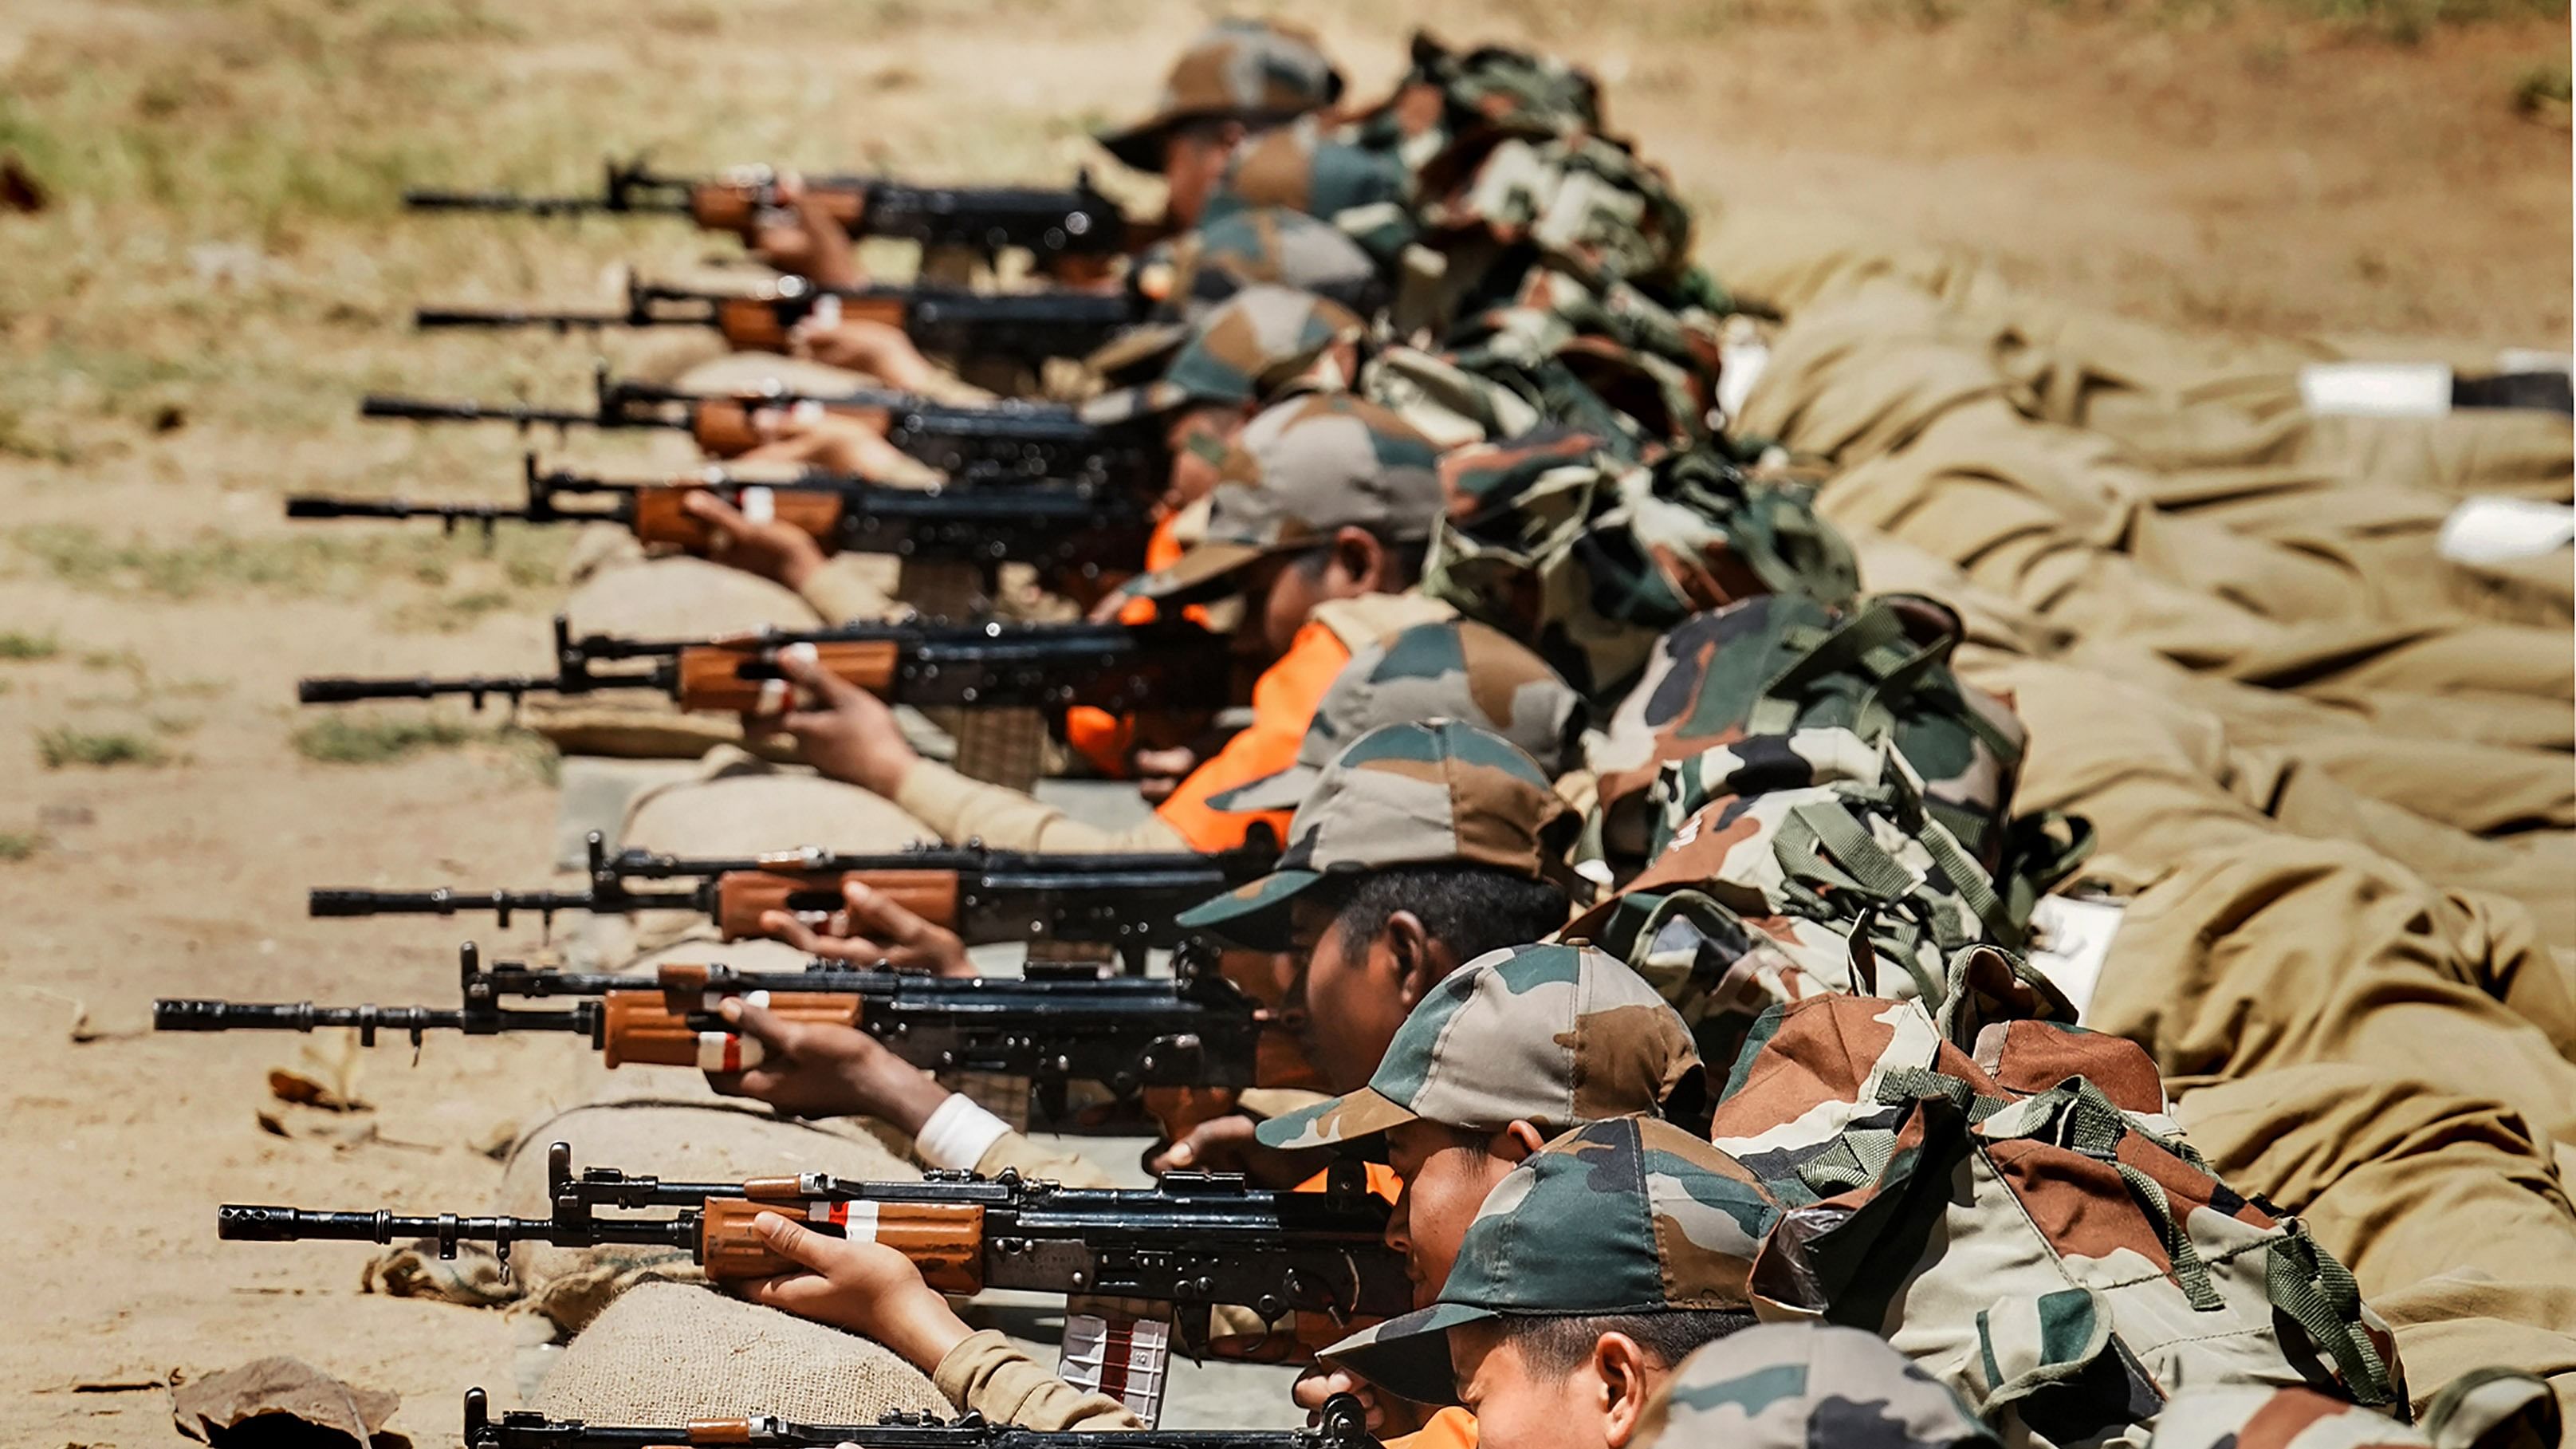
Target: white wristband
<point>958,1134</point>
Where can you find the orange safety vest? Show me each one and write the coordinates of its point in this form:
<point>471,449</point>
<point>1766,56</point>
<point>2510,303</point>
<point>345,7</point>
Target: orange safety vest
<point>1283,704</point>
<point>1451,1428</point>
<point>1106,739</point>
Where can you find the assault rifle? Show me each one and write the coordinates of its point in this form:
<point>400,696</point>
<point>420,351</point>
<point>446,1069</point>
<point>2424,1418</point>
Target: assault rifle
<point>1342,1425</point>
<point>1081,529</point>
<point>1031,439</point>
<point>985,896</point>
<point>1179,1049</point>
<point>1164,666</point>
<point>1027,327</point>
<point>1071,229</point>
<point>1194,1240</point>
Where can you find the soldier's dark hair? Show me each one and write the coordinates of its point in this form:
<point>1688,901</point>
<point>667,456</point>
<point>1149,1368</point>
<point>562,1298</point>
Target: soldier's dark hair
<point>1470,908</point>
<point>1552,1345</point>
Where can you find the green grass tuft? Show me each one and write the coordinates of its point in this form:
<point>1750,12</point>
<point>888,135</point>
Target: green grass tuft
<point>15,645</point>
<point>19,844</point>
<point>297,565</point>
<point>342,740</point>
<point>69,746</point>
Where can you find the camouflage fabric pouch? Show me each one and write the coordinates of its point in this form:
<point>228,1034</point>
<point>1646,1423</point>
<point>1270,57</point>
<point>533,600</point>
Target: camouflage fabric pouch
<point>1589,557</point>
<point>1780,663</point>
<point>2087,1266</point>
<point>1811,866</point>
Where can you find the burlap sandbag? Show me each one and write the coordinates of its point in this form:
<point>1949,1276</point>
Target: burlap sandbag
<point>671,1352</point>
<point>709,1141</point>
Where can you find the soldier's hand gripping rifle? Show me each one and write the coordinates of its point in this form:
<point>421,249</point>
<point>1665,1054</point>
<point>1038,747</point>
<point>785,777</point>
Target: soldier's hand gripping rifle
<point>1024,327</point>
<point>986,897</point>
<point>1192,1240</point>
<point>1076,530</point>
<point>1167,666</point>
<point>1072,232</point>
<point>1042,440</point>
<point>1176,1049</point>
<point>1342,1424</point>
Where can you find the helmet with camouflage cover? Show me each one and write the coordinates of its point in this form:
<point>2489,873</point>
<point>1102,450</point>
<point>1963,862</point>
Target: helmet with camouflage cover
<point>1780,662</point>
<point>1810,868</point>
<point>1363,194</point>
<point>1631,1215</point>
<point>1250,349</point>
<point>1449,669</point>
<point>1258,71</point>
<point>1604,359</point>
<point>1301,471</point>
<point>1555,1036</point>
<point>1403,794</point>
<point>1807,1386</point>
<point>1556,539</point>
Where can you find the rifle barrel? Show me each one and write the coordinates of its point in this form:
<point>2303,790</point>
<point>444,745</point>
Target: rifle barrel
<point>262,1223</point>
<point>341,689</point>
<point>433,410</point>
<point>183,1014</point>
<point>316,505</point>
<point>440,902</point>
<point>428,317</point>
<point>430,199</point>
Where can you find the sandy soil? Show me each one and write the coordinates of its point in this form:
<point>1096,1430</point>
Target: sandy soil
<point>184,330</point>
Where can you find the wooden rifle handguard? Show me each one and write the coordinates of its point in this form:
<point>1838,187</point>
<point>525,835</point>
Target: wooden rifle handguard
<point>641,1027</point>
<point>944,1240</point>
<point>741,678</point>
<point>742,896</point>
<point>660,516</point>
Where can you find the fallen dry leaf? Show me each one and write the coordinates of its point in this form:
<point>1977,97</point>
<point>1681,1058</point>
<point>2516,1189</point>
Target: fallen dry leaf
<point>280,1402</point>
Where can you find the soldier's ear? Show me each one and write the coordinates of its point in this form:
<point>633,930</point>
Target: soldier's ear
<point>1362,559</point>
<point>1417,961</point>
<point>1518,1141</point>
<point>1623,1371</point>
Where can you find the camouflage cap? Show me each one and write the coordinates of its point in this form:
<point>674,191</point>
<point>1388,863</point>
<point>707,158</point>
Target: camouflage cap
<point>1301,471</point>
<point>1182,279</point>
<point>1244,352</point>
<point>1260,71</point>
<point>1632,1215</point>
<point>1806,1386</point>
<point>1404,794</point>
<point>1363,194</point>
<point>1552,1035</point>
<point>1450,669</point>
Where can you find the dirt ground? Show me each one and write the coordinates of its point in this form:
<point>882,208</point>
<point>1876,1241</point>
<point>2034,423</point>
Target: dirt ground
<point>219,269</point>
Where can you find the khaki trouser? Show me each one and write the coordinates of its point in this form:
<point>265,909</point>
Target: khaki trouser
<point>2178,401</point>
<point>2279,951</point>
<point>2159,778</point>
<point>2423,753</point>
<point>1973,489</point>
<point>2448,1209</point>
